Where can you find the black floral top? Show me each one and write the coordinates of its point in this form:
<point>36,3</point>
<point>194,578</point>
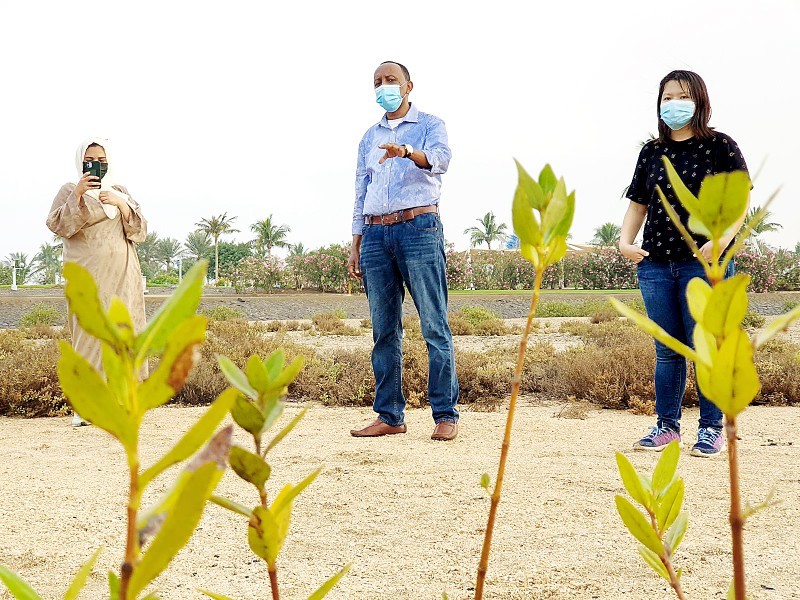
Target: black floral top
<point>693,159</point>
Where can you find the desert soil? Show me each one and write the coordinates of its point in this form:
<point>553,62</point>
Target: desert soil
<point>408,512</point>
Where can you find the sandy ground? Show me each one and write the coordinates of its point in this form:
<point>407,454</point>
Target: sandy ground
<point>408,512</point>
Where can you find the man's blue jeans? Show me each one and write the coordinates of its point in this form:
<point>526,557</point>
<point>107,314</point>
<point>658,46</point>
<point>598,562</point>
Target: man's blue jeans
<point>410,253</point>
<point>663,287</point>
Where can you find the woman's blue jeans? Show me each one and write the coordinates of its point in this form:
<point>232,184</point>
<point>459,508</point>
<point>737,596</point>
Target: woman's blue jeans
<point>409,254</point>
<point>663,287</point>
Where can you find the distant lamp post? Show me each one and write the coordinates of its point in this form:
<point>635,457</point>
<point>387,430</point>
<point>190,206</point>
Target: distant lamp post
<point>180,270</point>
<point>14,275</point>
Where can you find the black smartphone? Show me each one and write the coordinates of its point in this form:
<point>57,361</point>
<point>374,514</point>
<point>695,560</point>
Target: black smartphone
<point>96,168</point>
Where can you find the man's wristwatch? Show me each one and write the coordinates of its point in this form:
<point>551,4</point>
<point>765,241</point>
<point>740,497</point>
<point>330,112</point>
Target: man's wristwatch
<point>409,150</point>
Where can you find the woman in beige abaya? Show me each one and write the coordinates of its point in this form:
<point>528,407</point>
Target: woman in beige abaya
<point>99,223</point>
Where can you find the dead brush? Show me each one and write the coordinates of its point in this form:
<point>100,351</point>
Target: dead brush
<point>331,323</point>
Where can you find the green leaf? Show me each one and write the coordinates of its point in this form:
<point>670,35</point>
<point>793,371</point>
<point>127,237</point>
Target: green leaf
<point>181,305</point>
<point>329,584</point>
<point>525,225</point>
<point>267,532</point>
<point>732,382</point>
<point>486,481</point>
<point>780,323</point>
<point>193,439</point>
<point>257,375</point>
<point>667,465</point>
<point>18,588</point>
<point>727,306</point>
<point>179,358</point>
<point>79,582</point>
<point>113,585</point>
<point>670,504</point>
<point>118,314</point>
<point>285,431</point>
<point>231,505</point>
<point>723,200</point>
<point>84,302</point>
<point>287,376</point>
<point>250,467</point>
<point>697,294</point>
<point>556,210</point>
<point>677,531</point>
<point>272,412</point>
<point>638,525</point>
<point>247,415</point>
<point>178,527</point>
<point>531,190</point>
<point>274,363</point>
<point>652,559</point>
<point>214,596</point>
<point>548,181</point>
<point>290,492</point>
<point>116,374</point>
<point>686,197</point>
<point>235,377</point>
<point>705,344</point>
<point>650,327</point>
<point>529,253</point>
<point>632,482</point>
<point>91,397</point>
<point>556,251</point>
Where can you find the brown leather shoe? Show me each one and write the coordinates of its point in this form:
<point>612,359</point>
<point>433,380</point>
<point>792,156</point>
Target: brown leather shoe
<point>377,428</point>
<point>445,431</point>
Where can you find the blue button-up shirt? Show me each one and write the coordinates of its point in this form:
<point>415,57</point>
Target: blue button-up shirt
<point>398,183</point>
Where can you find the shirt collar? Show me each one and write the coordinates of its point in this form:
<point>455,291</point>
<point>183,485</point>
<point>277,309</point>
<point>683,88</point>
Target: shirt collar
<point>412,116</point>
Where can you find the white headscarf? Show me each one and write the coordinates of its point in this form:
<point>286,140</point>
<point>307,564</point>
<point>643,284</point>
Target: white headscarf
<point>108,179</point>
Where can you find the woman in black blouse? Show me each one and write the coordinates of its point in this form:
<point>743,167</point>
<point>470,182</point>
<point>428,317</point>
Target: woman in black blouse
<point>665,262</point>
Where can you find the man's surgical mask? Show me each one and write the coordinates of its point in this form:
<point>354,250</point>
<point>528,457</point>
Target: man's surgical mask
<point>389,97</point>
<point>677,113</point>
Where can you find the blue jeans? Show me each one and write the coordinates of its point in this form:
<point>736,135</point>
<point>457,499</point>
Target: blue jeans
<point>663,287</point>
<point>410,254</point>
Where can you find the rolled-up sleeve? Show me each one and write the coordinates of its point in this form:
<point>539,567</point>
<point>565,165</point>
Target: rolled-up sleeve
<point>362,180</point>
<point>436,148</point>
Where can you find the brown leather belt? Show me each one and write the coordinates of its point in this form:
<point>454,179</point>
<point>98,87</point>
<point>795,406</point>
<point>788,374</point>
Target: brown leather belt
<point>400,216</point>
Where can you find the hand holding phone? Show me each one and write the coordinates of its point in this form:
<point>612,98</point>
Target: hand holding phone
<point>85,183</point>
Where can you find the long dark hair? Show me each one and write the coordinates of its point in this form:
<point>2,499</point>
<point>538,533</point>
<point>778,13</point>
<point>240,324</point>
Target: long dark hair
<point>694,84</point>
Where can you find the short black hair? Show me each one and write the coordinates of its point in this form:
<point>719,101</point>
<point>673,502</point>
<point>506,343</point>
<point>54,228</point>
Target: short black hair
<point>406,74</point>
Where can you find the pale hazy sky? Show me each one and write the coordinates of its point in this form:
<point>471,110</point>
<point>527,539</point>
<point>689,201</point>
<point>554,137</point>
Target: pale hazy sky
<point>256,108</point>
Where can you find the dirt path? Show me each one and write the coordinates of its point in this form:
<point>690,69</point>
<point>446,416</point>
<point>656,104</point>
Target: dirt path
<point>408,512</point>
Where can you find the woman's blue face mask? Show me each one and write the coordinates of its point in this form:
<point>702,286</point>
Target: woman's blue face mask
<point>677,113</point>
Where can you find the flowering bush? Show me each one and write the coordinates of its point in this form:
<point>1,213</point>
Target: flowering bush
<point>258,273</point>
<point>760,267</point>
<point>787,270</point>
<point>325,269</point>
<point>604,269</point>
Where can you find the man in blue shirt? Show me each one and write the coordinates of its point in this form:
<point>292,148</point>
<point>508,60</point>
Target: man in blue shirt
<point>398,240</point>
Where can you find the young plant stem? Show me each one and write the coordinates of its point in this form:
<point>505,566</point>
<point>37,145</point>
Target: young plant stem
<point>483,566</point>
<point>273,582</point>
<point>132,542</point>
<point>666,560</point>
<point>736,517</point>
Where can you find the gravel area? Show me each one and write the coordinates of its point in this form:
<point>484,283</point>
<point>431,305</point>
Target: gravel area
<point>13,305</point>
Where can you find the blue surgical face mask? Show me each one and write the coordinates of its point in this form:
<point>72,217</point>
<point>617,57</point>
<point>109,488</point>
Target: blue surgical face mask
<point>389,97</point>
<point>677,113</point>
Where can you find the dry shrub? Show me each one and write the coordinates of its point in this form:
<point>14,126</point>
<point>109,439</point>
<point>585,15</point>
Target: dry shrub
<point>638,406</point>
<point>41,314</point>
<point>574,409</point>
<point>331,323</point>
<point>604,315</point>
<point>222,313</point>
<point>753,320</point>
<point>778,365</point>
<point>478,320</point>
<point>366,323</point>
<point>28,377</point>
<point>459,325</point>
<point>343,378</point>
<point>281,326</point>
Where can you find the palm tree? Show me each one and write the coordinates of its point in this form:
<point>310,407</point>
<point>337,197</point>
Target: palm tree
<point>166,251</point>
<point>148,254</point>
<point>48,262</point>
<point>607,234</point>
<point>198,245</point>
<point>215,227</point>
<point>797,248</point>
<point>269,236</point>
<point>20,261</point>
<point>762,226</point>
<point>488,232</point>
